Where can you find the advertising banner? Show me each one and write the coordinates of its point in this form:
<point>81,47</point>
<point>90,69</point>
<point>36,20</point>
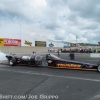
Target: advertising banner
<point>12,42</point>
<point>99,43</point>
<point>40,43</point>
<point>51,45</point>
<point>66,46</point>
<point>28,43</point>
<point>1,41</point>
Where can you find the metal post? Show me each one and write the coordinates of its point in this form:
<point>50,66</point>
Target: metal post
<point>20,31</point>
<point>76,40</point>
<point>20,34</point>
<point>58,54</point>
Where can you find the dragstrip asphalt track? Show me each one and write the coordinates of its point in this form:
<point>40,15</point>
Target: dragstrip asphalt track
<point>39,83</point>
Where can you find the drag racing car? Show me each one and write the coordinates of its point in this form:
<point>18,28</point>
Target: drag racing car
<point>50,61</point>
<point>56,62</point>
<point>36,60</point>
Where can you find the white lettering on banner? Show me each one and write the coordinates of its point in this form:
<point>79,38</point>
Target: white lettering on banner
<point>10,41</point>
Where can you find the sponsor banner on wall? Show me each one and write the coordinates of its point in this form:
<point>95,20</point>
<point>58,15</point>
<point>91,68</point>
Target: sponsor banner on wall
<point>99,43</point>
<point>40,43</point>
<point>51,45</point>
<point>1,41</point>
<point>28,43</point>
<point>12,42</point>
<point>66,46</point>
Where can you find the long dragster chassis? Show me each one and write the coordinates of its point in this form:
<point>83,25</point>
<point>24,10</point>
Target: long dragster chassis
<point>50,61</point>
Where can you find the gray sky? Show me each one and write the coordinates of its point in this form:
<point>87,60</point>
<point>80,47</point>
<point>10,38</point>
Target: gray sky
<point>51,20</point>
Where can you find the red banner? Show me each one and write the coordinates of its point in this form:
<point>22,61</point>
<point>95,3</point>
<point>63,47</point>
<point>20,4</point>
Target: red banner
<point>12,42</point>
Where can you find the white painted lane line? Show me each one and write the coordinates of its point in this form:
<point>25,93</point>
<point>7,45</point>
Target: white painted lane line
<point>96,97</point>
<point>56,76</point>
<point>4,65</point>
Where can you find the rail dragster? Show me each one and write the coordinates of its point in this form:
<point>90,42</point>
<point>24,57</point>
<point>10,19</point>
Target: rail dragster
<point>50,61</point>
<point>56,62</point>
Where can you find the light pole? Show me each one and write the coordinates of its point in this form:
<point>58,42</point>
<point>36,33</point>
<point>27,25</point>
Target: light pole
<point>20,31</point>
<point>76,39</point>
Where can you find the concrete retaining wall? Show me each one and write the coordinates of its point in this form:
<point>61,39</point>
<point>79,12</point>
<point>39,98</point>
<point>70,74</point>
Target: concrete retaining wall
<point>25,49</point>
<point>22,49</point>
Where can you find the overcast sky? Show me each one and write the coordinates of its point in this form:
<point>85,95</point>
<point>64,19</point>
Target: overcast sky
<point>51,20</point>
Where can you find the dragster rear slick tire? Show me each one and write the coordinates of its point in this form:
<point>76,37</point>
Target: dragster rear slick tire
<point>12,62</point>
<point>38,63</point>
<point>44,62</point>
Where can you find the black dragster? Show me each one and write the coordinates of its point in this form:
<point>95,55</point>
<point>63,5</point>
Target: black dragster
<point>50,61</point>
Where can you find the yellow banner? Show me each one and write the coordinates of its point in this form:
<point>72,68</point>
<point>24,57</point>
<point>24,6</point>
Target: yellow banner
<point>1,41</point>
<point>28,43</point>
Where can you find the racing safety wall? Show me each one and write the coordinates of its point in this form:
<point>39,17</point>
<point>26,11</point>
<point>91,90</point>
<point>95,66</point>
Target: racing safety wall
<point>10,42</point>
<point>22,49</point>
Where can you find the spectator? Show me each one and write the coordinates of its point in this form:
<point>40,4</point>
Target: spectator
<point>48,49</point>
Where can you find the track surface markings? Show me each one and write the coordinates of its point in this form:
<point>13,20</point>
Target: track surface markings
<point>55,76</point>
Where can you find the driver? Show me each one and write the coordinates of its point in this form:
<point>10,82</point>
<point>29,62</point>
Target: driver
<point>33,54</point>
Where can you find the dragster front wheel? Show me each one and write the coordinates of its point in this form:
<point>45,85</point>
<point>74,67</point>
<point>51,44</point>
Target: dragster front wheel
<point>98,68</point>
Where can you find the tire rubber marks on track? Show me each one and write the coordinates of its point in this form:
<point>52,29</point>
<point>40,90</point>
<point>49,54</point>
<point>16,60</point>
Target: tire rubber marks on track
<point>55,76</point>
